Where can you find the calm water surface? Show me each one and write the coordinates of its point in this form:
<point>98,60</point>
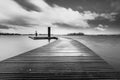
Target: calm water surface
<point>14,45</point>
<point>107,47</point>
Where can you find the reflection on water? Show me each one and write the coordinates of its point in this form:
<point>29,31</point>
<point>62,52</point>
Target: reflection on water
<point>13,45</point>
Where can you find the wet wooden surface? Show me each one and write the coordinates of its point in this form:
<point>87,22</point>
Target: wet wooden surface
<point>62,59</point>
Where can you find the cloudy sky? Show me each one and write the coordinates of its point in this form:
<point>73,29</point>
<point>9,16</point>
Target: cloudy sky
<point>64,16</point>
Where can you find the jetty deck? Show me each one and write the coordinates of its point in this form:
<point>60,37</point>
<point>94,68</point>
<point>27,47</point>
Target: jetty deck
<point>63,59</point>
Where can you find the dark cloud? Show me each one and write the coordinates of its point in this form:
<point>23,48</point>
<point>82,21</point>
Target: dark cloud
<point>116,5</point>
<point>99,21</point>
<point>117,20</point>
<point>20,21</point>
<point>67,26</point>
<point>27,5</point>
<point>100,6</point>
<point>112,24</point>
<point>4,27</point>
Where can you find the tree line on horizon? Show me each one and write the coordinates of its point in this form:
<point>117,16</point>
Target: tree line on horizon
<point>79,33</point>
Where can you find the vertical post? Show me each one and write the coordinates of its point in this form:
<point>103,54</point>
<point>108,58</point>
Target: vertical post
<point>49,33</point>
<point>36,34</point>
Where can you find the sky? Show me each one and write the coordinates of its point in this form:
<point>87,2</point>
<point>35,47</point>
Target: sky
<point>64,16</point>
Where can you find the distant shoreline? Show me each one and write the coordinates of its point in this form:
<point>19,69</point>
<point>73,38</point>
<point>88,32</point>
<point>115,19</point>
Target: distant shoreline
<point>12,34</point>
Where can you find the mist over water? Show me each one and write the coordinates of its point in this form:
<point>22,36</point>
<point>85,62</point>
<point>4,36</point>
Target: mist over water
<point>14,45</point>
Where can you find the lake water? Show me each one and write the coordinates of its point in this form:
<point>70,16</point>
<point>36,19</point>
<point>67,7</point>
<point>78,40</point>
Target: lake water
<point>107,47</point>
<point>14,45</point>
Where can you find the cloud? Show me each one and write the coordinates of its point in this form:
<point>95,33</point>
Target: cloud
<point>101,27</point>
<point>10,9</point>
<point>27,5</point>
<point>4,27</point>
<point>80,7</point>
<point>116,5</point>
<point>57,14</point>
<point>27,13</point>
<point>109,16</point>
<point>10,30</point>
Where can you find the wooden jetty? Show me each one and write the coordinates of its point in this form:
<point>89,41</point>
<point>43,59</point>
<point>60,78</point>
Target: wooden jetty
<point>64,59</point>
<point>36,37</point>
<point>40,38</point>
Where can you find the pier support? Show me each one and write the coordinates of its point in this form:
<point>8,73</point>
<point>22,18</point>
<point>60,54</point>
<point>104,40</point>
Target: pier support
<point>49,33</point>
